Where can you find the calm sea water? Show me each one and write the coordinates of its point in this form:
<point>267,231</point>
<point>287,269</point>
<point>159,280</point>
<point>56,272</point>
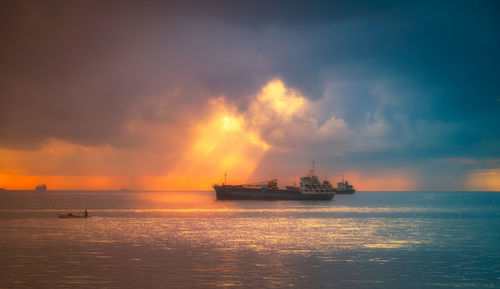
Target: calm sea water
<point>189,240</point>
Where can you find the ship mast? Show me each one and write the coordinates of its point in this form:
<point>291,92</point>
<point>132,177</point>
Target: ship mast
<point>225,176</point>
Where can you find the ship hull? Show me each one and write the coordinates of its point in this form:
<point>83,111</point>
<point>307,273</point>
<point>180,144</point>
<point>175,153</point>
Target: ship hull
<point>344,191</point>
<point>261,194</point>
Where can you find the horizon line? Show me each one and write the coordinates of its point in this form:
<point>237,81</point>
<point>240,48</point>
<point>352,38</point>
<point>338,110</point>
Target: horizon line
<point>166,190</point>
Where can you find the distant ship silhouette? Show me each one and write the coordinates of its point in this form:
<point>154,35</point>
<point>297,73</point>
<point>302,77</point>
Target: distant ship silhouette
<point>41,187</point>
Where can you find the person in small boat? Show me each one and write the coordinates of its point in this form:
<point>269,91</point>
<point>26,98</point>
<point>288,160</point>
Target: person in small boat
<point>86,214</point>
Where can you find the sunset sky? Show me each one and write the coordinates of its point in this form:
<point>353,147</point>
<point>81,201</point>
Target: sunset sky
<point>169,95</point>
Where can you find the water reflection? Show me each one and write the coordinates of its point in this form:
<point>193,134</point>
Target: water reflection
<point>179,240</point>
<point>176,199</point>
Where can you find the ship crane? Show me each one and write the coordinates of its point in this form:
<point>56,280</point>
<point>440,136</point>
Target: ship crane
<point>270,183</point>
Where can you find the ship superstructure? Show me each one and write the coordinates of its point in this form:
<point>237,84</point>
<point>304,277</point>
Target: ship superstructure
<point>310,184</point>
<point>344,187</point>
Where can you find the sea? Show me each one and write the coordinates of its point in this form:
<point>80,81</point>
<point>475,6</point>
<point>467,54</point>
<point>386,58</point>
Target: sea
<point>146,239</point>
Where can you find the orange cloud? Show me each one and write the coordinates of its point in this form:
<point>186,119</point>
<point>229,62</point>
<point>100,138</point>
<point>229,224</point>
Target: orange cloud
<point>223,143</point>
<point>484,180</point>
<point>62,165</point>
<point>21,181</point>
<point>281,99</point>
<point>192,156</point>
<point>215,145</point>
<point>388,180</point>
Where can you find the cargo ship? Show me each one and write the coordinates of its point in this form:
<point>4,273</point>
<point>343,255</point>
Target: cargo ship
<point>41,188</point>
<point>344,187</point>
<point>310,189</point>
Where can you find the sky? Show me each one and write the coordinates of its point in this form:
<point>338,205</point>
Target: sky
<point>171,95</point>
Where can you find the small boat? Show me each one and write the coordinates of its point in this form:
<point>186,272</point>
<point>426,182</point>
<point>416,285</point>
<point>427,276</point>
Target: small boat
<point>71,215</point>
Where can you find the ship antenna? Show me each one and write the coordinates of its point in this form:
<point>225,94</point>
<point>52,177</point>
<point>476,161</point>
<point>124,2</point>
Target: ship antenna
<point>225,176</point>
<point>342,177</point>
<point>312,171</point>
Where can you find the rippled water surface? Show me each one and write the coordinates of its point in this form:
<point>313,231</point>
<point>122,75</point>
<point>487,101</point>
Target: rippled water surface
<point>189,240</point>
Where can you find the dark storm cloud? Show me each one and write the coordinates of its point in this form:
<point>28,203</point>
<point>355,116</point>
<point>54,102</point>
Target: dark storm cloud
<point>278,12</point>
<point>80,71</point>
